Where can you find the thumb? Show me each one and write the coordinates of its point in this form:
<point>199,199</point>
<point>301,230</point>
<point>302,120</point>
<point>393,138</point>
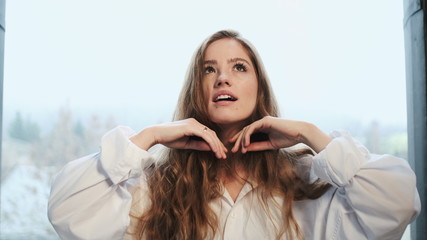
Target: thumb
<point>259,146</point>
<point>198,145</point>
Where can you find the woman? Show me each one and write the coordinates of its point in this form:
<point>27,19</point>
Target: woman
<point>227,171</point>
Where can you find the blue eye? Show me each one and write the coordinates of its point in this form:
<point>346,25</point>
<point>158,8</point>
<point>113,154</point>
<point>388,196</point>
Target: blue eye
<point>209,69</point>
<point>240,67</point>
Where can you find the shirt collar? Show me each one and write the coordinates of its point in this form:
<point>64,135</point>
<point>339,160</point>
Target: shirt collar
<point>247,188</point>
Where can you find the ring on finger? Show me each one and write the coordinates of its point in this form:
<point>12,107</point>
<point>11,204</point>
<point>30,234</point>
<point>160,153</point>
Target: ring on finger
<point>205,129</point>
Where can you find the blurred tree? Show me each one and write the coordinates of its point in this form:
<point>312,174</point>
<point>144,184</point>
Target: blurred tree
<point>16,129</point>
<point>95,130</point>
<point>27,130</point>
<point>69,139</point>
<point>79,129</point>
<point>396,144</point>
<point>373,137</point>
<point>61,144</point>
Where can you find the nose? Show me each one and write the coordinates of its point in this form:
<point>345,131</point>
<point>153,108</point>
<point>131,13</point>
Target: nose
<point>223,79</point>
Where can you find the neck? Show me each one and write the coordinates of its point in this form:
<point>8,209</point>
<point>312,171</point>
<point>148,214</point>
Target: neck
<point>229,130</point>
<point>233,168</point>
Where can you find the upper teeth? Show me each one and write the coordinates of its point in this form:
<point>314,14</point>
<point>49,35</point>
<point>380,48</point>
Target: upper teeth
<point>220,97</point>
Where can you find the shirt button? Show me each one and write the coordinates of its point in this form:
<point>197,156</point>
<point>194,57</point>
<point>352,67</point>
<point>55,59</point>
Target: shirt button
<point>233,215</point>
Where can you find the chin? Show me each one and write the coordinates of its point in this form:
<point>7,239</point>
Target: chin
<point>225,116</point>
<point>227,120</point>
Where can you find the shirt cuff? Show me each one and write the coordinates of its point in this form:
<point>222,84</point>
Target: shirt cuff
<point>339,162</point>
<point>121,159</point>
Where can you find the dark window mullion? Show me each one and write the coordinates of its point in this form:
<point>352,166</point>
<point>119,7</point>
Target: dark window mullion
<point>415,51</point>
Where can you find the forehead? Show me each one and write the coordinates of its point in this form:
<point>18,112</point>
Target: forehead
<point>226,48</point>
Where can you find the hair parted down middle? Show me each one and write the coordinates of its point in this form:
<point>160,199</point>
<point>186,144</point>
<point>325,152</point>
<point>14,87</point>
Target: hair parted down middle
<point>186,181</point>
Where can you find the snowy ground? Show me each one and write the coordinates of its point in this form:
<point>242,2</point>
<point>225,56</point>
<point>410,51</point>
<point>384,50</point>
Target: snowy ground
<point>24,196</point>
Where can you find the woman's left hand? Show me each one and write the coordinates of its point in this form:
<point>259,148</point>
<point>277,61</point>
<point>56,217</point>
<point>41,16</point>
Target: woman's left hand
<point>281,133</point>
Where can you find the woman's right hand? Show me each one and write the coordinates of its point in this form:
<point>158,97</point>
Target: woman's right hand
<point>183,134</point>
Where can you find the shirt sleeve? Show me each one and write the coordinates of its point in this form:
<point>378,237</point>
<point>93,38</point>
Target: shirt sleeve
<point>90,197</point>
<point>380,189</point>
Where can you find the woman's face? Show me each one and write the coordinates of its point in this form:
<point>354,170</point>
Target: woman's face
<point>229,82</point>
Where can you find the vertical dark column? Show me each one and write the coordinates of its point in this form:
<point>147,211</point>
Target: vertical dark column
<point>415,55</point>
<point>2,32</point>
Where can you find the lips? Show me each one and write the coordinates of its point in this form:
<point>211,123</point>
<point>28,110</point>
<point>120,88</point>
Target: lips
<point>224,96</point>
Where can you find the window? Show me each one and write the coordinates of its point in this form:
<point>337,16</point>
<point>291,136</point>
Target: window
<point>73,70</point>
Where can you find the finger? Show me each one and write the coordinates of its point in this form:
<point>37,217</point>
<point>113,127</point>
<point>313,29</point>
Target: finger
<point>202,132</point>
<point>225,150</point>
<point>259,146</point>
<point>251,129</point>
<point>203,146</point>
<point>199,145</point>
<point>234,138</point>
<point>247,137</point>
<point>243,139</point>
<point>221,149</point>
<point>237,143</point>
<point>220,146</point>
<point>213,140</point>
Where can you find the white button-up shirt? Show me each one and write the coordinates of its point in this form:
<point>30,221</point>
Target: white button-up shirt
<point>372,196</point>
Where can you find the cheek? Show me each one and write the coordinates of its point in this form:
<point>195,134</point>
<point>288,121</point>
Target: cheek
<point>253,92</point>
<point>205,92</point>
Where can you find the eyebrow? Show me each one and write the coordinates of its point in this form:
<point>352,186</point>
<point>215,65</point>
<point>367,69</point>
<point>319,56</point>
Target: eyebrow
<point>231,60</point>
<point>239,59</point>
<point>213,62</point>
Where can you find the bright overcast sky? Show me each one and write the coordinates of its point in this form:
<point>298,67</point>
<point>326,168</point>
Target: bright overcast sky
<point>329,61</point>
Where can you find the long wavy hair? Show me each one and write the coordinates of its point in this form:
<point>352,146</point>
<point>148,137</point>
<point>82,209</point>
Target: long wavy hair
<point>183,184</point>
